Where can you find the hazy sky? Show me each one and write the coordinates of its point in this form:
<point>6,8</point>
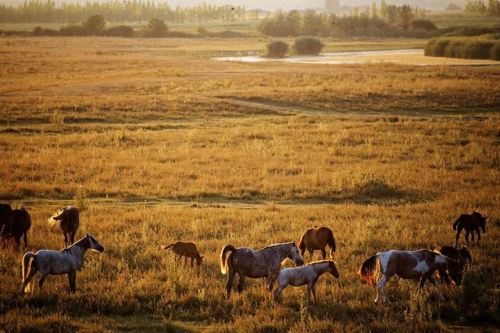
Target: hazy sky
<point>285,4</point>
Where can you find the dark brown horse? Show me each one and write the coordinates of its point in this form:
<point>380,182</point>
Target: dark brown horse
<point>16,227</point>
<point>474,222</point>
<point>460,257</point>
<point>186,250</point>
<point>411,265</point>
<point>5,210</point>
<point>317,239</point>
<point>68,220</point>
<point>264,263</point>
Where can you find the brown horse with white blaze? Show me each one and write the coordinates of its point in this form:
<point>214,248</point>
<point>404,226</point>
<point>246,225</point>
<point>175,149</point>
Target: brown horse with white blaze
<point>410,265</point>
<point>317,239</point>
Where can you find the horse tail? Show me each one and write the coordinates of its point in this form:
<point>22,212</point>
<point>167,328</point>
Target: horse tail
<point>223,257</point>
<point>368,270</point>
<point>331,241</point>
<point>28,259</point>
<point>166,247</point>
<point>456,223</point>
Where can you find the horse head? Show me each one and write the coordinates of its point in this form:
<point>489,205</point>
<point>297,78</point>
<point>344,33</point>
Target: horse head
<point>94,244</point>
<point>294,255</point>
<point>449,269</point>
<point>465,255</point>
<point>333,269</point>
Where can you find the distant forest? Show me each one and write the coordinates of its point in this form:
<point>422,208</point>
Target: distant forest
<point>119,11</point>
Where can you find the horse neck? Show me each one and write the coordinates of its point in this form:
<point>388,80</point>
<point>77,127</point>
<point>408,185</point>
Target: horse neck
<point>77,249</point>
<point>283,251</point>
<point>321,267</point>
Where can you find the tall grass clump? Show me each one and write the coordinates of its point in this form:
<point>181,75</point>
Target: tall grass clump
<point>308,46</point>
<point>495,51</point>
<point>436,47</point>
<point>464,47</point>
<point>277,49</point>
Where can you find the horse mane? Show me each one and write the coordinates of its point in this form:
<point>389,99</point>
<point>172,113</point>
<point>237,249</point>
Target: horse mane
<point>78,243</point>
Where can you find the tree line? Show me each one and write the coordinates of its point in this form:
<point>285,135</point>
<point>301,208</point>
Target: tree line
<point>482,8</point>
<point>383,21</point>
<point>119,11</point>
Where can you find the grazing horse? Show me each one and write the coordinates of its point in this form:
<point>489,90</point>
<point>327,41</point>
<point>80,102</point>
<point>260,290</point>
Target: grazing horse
<point>411,265</point>
<point>473,222</point>
<point>459,258</point>
<point>68,219</point>
<point>264,263</point>
<point>317,239</point>
<point>186,250</point>
<point>16,227</point>
<point>308,274</point>
<point>66,261</point>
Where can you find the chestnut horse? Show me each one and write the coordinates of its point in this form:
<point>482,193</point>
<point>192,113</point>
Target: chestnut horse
<point>411,265</point>
<point>186,250</point>
<point>317,239</point>
<point>307,274</point>
<point>68,219</point>
<point>264,263</point>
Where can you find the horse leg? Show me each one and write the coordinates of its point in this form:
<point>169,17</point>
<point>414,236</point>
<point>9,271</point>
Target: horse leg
<point>467,237</point>
<point>323,253</point>
<point>65,239</point>
<point>423,279</point>
<point>72,281</point>
<point>313,289</point>
<point>478,236</point>
<point>241,281</point>
<point>230,279</point>
<point>380,288</point>
<point>192,258</point>
<point>277,292</point>
<point>311,253</point>
<point>185,261</point>
<point>472,234</point>
<point>26,239</point>
<point>459,230</point>
<point>271,277</point>
<point>42,280</point>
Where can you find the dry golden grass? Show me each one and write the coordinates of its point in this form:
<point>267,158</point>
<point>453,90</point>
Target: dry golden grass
<point>149,138</point>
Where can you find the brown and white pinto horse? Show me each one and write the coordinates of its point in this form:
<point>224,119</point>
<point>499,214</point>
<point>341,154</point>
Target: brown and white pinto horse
<point>411,265</point>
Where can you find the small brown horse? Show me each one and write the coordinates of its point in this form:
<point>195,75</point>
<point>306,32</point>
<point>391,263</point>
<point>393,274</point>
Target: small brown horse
<point>459,259</point>
<point>317,239</point>
<point>186,250</point>
<point>411,265</point>
<point>16,227</point>
<point>68,219</point>
<point>473,222</point>
<point>264,263</point>
<point>307,274</point>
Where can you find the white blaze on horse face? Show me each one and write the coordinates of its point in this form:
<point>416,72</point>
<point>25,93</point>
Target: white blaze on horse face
<point>422,267</point>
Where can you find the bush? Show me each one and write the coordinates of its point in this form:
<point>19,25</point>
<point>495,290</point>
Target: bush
<point>95,25</point>
<point>477,299</point>
<point>436,47</point>
<point>277,49</point>
<point>308,46</point>
<point>120,31</point>
<point>39,31</point>
<point>478,49</point>
<point>421,24</point>
<point>72,30</point>
<point>495,51</point>
<point>155,28</point>
<point>455,49</point>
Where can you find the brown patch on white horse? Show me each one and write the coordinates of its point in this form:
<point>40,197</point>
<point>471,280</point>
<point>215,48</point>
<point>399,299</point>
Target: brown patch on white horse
<point>412,265</point>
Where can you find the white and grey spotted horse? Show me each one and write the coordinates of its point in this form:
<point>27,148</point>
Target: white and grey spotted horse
<point>411,265</point>
<point>52,262</point>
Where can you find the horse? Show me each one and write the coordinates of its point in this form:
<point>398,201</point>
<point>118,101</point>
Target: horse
<point>68,219</point>
<point>410,265</point>
<point>317,239</point>
<point>17,226</point>
<point>67,261</point>
<point>308,274</point>
<point>473,222</point>
<point>186,250</point>
<point>5,210</point>
<point>460,257</point>
<point>264,263</point>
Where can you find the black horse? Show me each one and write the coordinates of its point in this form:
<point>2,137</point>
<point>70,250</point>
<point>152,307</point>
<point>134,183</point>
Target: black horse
<point>459,259</point>
<point>470,222</point>
<point>16,226</point>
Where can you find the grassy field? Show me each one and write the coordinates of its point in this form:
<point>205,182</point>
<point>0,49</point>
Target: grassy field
<point>156,142</point>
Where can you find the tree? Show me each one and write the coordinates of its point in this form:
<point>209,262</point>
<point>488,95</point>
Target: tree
<point>277,49</point>
<point>374,10</point>
<point>155,28</point>
<point>405,14</point>
<point>95,25</point>
<point>383,9</point>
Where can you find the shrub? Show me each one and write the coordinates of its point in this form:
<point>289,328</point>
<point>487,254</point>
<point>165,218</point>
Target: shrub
<point>422,24</point>
<point>308,46</point>
<point>39,31</point>
<point>277,49</point>
<point>477,299</point>
<point>72,30</point>
<point>95,25</point>
<point>495,51</point>
<point>155,28</point>
<point>455,49</point>
<point>436,47</point>
<point>478,49</point>
<point>120,31</point>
